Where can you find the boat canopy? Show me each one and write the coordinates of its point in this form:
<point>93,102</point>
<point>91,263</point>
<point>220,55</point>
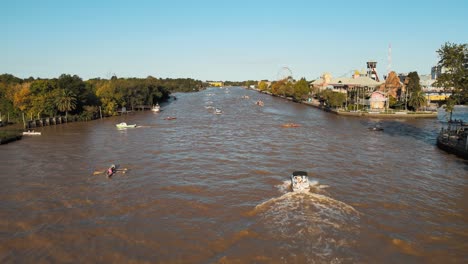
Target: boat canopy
<point>299,173</point>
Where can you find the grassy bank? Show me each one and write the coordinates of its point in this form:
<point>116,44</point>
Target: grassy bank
<point>7,136</point>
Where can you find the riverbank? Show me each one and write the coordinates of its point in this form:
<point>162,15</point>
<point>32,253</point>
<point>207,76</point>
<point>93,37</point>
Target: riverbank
<point>7,136</point>
<point>10,131</point>
<point>393,114</point>
<point>389,114</point>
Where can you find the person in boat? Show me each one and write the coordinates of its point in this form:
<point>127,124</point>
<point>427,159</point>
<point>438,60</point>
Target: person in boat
<point>111,170</point>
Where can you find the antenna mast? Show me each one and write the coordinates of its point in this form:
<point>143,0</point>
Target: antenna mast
<point>389,66</point>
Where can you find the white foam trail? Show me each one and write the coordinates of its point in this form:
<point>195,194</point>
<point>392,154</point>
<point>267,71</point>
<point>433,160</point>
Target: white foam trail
<point>309,220</point>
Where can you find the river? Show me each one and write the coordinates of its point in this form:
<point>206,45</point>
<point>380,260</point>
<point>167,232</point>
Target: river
<point>207,188</point>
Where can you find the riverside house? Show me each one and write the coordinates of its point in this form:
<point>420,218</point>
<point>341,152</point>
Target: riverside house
<point>346,84</point>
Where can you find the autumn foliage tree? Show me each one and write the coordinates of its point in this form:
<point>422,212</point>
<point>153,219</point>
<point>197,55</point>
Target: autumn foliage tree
<point>22,96</point>
<point>262,86</point>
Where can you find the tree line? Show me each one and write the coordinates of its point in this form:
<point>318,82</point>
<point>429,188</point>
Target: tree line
<point>69,94</point>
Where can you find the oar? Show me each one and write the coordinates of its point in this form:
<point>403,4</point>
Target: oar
<point>124,170</point>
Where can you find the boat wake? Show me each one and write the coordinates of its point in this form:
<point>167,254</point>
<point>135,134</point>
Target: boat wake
<point>311,224</point>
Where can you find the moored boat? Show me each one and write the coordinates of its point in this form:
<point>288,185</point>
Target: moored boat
<point>376,128</point>
<point>124,125</point>
<point>31,133</point>
<point>454,139</point>
<point>300,181</point>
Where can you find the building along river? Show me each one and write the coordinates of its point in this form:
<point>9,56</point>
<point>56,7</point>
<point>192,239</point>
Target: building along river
<point>214,188</point>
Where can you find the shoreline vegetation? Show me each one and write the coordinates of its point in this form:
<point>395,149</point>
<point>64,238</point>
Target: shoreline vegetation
<point>7,136</point>
<point>358,113</point>
<point>30,103</point>
<point>69,97</point>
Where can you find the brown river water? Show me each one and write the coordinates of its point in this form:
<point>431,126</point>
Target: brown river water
<point>207,188</point>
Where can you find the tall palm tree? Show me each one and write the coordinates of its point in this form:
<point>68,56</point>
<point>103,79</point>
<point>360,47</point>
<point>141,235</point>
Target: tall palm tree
<point>417,99</point>
<point>66,101</point>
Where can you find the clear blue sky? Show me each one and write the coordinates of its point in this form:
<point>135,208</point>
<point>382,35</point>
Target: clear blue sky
<point>223,40</point>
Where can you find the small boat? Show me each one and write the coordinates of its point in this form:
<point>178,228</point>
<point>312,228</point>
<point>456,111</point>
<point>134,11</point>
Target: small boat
<point>124,125</point>
<point>170,118</point>
<point>375,129</point>
<point>300,181</point>
<point>156,108</point>
<point>260,103</point>
<point>111,170</point>
<point>290,125</point>
<point>31,133</point>
<point>218,111</point>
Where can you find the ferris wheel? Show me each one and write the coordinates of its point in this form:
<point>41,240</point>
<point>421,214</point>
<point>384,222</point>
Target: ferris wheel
<point>284,73</point>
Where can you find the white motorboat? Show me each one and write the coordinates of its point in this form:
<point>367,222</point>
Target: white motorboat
<point>156,108</point>
<point>300,181</point>
<point>124,125</point>
<point>218,111</point>
<point>31,133</point>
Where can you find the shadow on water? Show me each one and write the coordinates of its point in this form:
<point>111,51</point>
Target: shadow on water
<point>416,129</point>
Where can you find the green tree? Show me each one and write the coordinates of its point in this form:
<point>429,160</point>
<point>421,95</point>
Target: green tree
<point>66,101</point>
<point>76,86</point>
<point>6,104</point>
<point>277,88</point>
<point>449,106</point>
<point>90,112</point>
<point>417,100</point>
<point>301,89</point>
<point>44,93</point>
<point>9,79</point>
<point>109,96</point>
<point>454,64</point>
<point>333,99</point>
<point>262,86</point>
<point>413,83</point>
<point>288,89</point>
